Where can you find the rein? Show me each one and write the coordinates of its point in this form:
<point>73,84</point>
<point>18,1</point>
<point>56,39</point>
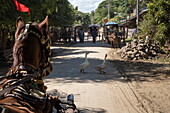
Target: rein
<point>16,84</point>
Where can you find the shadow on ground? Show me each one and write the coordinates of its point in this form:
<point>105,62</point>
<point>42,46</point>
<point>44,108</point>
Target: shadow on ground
<point>117,70</point>
<point>143,71</point>
<point>85,44</point>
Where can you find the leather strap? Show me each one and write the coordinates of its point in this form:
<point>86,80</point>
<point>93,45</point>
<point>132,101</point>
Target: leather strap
<point>21,81</point>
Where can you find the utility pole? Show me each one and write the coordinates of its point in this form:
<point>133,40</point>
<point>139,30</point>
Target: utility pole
<point>137,12</point>
<point>108,10</point>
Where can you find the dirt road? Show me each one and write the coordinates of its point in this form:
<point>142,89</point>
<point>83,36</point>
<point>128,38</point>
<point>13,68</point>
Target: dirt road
<point>94,92</point>
<point>146,91</point>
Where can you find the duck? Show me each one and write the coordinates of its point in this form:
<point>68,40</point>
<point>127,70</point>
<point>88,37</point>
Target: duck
<point>85,64</point>
<point>102,66</point>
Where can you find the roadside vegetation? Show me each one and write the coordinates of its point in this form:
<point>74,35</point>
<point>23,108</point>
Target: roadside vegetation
<point>155,24</point>
<point>60,13</point>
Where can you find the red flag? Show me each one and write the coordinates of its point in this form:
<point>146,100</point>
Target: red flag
<point>21,7</point>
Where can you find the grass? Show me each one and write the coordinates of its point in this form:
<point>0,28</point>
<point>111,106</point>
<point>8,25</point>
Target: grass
<point>129,39</point>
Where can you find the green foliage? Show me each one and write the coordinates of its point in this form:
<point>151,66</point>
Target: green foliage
<point>156,22</point>
<point>81,18</point>
<point>116,19</point>
<point>60,12</point>
<point>119,9</point>
<point>63,13</point>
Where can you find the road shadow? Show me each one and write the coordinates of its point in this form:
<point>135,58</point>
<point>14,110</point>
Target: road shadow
<point>66,52</point>
<point>67,69</point>
<point>142,71</point>
<point>85,44</point>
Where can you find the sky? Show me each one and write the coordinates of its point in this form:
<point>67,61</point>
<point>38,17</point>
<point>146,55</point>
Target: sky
<point>86,6</point>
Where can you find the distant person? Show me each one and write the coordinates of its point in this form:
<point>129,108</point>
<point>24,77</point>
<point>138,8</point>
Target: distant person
<point>81,35</point>
<point>69,34</point>
<point>94,34</point>
<point>64,34</point>
<point>75,35</point>
<point>89,34</point>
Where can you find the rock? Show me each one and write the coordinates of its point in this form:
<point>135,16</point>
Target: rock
<point>135,41</point>
<point>129,49</point>
<point>129,58</point>
<point>141,41</point>
<point>128,45</point>
<point>133,56</point>
<point>147,50</point>
<point>140,49</point>
<point>153,53</point>
<point>146,42</point>
<point>138,55</point>
<point>130,52</point>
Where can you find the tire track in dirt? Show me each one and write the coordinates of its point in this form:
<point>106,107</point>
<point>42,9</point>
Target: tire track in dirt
<point>145,103</point>
<point>126,79</point>
<point>128,96</point>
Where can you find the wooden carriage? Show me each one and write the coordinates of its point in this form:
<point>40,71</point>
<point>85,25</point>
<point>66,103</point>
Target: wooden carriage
<point>112,34</point>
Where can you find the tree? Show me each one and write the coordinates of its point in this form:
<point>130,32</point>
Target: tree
<point>156,22</point>
<point>119,9</point>
<point>60,12</point>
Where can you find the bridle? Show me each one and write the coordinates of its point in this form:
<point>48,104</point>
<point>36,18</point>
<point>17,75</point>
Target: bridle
<point>44,41</point>
<point>37,33</point>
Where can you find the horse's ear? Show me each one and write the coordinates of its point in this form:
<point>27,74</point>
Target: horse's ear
<point>44,24</point>
<point>19,22</point>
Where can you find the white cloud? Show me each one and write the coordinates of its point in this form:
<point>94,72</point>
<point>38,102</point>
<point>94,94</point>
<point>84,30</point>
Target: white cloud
<point>86,6</point>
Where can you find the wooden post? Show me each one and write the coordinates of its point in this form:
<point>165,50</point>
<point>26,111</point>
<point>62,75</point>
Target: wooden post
<point>137,14</point>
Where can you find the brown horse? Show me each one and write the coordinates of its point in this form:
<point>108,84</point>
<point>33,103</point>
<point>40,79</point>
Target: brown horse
<point>31,49</point>
<point>114,39</point>
<point>22,89</point>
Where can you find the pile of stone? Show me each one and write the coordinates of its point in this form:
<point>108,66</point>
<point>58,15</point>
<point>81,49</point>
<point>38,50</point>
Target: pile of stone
<point>140,49</point>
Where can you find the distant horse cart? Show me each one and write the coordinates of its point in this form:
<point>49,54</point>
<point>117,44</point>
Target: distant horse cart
<point>114,34</point>
<point>22,89</point>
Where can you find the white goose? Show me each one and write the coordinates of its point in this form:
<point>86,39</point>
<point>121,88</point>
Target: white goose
<point>102,66</point>
<point>85,64</point>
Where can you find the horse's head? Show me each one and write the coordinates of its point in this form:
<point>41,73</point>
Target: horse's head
<point>32,47</point>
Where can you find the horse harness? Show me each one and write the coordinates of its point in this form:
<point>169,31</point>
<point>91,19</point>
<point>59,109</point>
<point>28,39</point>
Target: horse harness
<point>26,74</point>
